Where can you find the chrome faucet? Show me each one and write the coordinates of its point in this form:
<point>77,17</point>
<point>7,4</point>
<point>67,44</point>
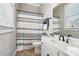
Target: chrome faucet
<point>61,36</point>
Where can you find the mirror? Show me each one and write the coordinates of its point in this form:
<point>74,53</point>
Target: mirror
<point>68,14</point>
<point>71,15</point>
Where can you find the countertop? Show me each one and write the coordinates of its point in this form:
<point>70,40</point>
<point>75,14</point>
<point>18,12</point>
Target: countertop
<point>62,46</point>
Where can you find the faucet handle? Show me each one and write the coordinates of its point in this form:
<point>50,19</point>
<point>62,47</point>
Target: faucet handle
<point>68,40</point>
<point>69,35</point>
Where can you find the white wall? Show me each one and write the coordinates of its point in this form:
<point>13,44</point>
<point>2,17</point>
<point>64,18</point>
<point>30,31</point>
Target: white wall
<point>47,10</point>
<point>0,11</point>
<point>27,7</point>
<point>8,40</point>
<point>7,44</point>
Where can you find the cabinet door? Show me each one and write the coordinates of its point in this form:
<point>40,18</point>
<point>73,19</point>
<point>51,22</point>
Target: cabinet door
<point>49,53</point>
<point>47,49</point>
<point>43,49</point>
<point>44,52</point>
<point>54,51</point>
<point>51,49</point>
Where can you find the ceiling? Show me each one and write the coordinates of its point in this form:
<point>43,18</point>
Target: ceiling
<point>34,4</point>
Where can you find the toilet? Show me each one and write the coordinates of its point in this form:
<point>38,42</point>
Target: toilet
<point>37,47</point>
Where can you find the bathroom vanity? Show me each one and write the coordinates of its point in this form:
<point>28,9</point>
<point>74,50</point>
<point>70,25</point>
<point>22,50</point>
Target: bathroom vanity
<point>51,46</point>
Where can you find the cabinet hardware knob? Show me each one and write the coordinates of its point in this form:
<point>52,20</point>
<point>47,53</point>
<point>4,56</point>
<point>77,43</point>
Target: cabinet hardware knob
<point>48,55</point>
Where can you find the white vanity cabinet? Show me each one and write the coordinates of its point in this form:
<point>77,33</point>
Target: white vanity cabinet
<point>48,49</point>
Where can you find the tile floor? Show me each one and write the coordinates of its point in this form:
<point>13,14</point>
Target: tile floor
<point>29,52</point>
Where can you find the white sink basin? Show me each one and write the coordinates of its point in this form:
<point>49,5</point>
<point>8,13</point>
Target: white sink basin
<point>70,50</point>
<point>60,44</point>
